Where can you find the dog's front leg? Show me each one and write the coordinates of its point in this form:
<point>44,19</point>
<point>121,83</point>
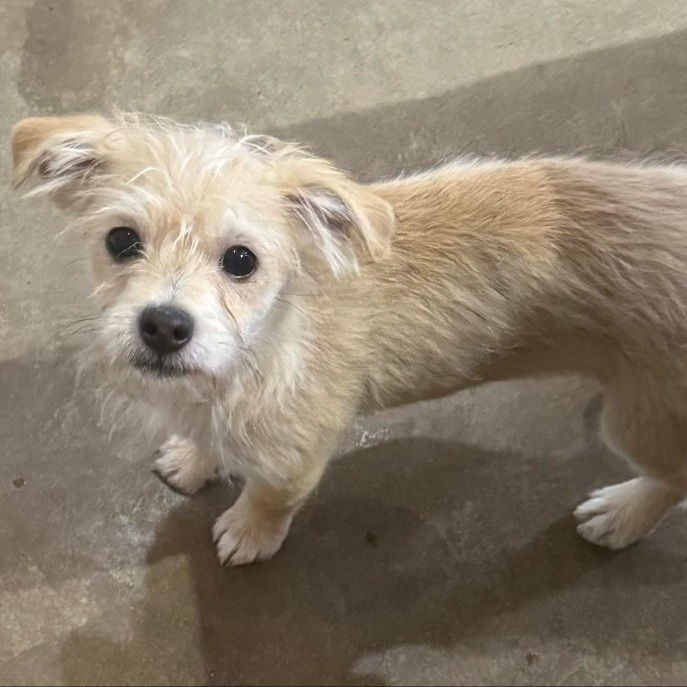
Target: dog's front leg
<point>255,527</point>
<point>183,466</point>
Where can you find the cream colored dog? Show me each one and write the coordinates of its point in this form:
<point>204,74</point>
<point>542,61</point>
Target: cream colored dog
<point>255,299</point>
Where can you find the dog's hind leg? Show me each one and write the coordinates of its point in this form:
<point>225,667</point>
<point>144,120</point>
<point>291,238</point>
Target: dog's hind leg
<point>618,516</point>
<point>641,424</point>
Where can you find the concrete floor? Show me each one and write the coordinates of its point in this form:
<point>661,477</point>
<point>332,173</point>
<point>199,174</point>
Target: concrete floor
<point>440,548</point>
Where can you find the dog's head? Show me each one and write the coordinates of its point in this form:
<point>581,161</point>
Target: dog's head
<point>197,235</point>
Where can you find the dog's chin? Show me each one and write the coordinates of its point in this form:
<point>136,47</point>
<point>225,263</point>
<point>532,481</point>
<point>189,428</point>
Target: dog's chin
<point>160,368</point>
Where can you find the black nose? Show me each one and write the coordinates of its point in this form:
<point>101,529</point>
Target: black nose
<point>165,329</point>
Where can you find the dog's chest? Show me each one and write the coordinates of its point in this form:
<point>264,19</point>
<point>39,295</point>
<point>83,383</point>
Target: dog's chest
<point>224,430</point>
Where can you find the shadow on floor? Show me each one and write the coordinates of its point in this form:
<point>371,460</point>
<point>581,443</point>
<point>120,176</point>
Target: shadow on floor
<point>624,98</point>
<point>415,542</point>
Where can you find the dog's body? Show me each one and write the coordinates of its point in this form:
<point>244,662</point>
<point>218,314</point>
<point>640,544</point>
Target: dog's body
<point>372,296</point>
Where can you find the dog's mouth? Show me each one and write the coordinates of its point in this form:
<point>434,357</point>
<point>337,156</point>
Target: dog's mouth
<point>158,366</point>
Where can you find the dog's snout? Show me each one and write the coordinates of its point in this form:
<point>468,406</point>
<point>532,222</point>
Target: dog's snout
<point>165,329</point>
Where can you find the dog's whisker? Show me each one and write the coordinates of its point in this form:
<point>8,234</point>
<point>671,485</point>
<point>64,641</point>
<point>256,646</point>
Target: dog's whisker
<point>76,325</point>
<point>290,304</point>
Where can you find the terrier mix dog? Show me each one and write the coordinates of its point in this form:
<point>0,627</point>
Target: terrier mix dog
<point>255,299</point>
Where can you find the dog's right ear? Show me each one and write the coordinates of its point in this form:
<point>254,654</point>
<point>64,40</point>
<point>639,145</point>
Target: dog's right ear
<point>58,154</point>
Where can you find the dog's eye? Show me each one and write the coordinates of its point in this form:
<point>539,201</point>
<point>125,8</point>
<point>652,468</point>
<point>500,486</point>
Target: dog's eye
<point>123,243</point>
<point>239,262</point>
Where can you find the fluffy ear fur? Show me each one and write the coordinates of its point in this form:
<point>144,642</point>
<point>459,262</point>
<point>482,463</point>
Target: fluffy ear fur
<point>59,154</point>
<point>342,215</point>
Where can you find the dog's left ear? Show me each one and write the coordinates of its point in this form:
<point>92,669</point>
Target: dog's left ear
<point>58,154</point>
<point>345,218</point>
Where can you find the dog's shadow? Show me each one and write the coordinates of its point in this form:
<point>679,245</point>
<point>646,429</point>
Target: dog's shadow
<point>413,542</point>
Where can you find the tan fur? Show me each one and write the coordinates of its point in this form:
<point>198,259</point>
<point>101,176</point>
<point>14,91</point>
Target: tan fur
<point>373,296</point>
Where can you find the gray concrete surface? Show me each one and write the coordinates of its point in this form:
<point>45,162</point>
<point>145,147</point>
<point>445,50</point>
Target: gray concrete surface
<point>440,548</point>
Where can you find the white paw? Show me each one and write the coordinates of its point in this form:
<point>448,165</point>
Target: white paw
<point>618,516</point>
<point>243,536</point>
<point>600,523</point>
<point>179,465</point>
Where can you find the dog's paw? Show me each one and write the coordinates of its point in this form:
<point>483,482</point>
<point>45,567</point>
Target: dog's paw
<point>179,465</point>
<point>242,536</point>
<point>617,516</point>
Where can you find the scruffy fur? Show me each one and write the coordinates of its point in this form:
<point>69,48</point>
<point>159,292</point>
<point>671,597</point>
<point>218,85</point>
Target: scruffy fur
<point>369,296</point>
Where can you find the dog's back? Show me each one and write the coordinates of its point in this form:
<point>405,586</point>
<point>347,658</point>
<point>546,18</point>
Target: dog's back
<point>531,267</point>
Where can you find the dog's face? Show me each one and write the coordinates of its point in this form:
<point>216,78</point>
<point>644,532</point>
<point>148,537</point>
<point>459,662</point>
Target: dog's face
<point>197,237</point>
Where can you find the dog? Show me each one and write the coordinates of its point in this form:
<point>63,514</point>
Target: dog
<point>254,299</point>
